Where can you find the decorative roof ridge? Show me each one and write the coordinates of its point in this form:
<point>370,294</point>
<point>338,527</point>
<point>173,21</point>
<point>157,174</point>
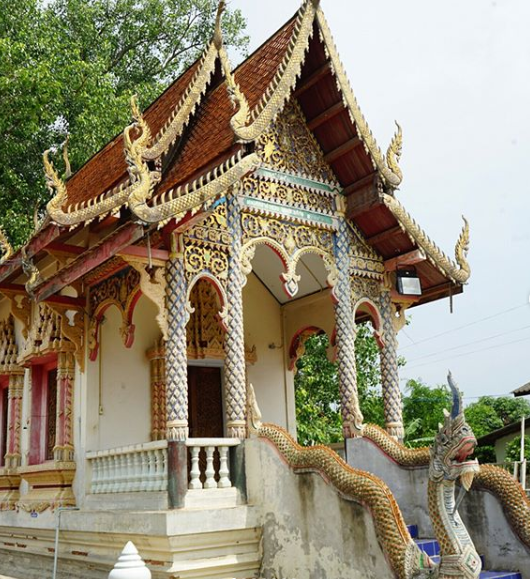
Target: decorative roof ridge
<point>389,168</point>
<point>200,193</point>
<point>6,246</point>
<point>247,124</point>
<point>186,106</point>
<point>458,272</point>
<point>141,181</point>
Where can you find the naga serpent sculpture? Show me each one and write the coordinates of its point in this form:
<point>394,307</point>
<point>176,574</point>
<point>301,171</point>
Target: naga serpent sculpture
<point>404,556</point>
<point>495,480</point>
<point>453,445</point>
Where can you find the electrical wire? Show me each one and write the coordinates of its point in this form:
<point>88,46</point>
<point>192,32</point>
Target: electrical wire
<point>470,353</point>
<point>465,326</point>
<point>469,344</point>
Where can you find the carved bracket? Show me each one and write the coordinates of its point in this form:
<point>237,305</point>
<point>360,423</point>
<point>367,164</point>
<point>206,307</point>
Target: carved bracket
<point>153,285</point>
<point>72,328</point>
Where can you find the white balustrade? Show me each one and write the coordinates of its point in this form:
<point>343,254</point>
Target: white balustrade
<point>135,468</point>
<point>215,476</point>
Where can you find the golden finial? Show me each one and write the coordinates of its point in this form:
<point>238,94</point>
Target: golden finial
<point>56,187</point>
<point>218,33</point>
<point>6,246</point>
<point>393,154</point>
<point>462,247</point>
<point>68,167</point>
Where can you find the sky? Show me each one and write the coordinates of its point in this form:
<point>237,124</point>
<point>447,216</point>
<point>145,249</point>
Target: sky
<point>456,75</point>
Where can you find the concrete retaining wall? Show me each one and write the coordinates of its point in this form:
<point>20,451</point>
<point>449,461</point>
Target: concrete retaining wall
<point>309,531</point>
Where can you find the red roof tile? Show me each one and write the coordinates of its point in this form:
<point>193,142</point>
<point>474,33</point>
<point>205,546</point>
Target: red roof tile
<point>108,168</point>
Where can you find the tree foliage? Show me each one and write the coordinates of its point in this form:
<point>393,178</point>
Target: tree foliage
<point>513,449</point>
<point>317,388</point>
<point>72,66</point>
<point>422,412</point>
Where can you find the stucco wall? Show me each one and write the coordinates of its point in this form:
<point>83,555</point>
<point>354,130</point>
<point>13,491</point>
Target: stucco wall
<point>125,382</point>
<point>481,512</point>
<point>309,531</point>
<point>263,329</point>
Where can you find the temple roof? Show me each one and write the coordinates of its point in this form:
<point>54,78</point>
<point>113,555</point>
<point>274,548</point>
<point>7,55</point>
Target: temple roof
<point>199,137</point>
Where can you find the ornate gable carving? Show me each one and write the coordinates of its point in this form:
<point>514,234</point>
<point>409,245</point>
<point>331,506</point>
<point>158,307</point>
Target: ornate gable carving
<point>288,145</point>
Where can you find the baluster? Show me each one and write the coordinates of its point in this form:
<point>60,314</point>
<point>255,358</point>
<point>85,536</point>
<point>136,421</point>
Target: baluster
<point>136,478</point>
<point>113,473</point>
<point>118,461</point>
<point>144,485</point>
<point>151,486</point>
<point>122,470</point>
<point>159,468</point>
<point>210,471</point>
<point>164,470</point>
<point>129,472</point>
<point>104,474</point>
<point>224,479</point>
<point>94,479</point>
<point>97,473</point>
<point>195,473</point>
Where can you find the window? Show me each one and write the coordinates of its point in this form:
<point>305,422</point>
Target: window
<point>43,413</point>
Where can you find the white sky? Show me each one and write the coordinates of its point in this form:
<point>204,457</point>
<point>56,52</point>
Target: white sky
<point>456,75</point>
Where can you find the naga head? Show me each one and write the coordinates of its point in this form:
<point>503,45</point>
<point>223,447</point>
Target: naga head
<point>454,445</point>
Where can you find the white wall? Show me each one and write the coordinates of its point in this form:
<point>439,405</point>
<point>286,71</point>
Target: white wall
<point>125,382</point>
<point>263,328</point>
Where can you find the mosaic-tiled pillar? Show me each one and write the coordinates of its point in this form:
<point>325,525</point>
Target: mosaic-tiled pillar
<point>157,361</point>
<point>352,417</point>
<point>63,450</point>
<point>235,366</point>
<point>389,371</point>
<point>176,351</point>
<point>14,420</point>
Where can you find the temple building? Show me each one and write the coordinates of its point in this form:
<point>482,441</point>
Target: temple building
<point>168,294</point>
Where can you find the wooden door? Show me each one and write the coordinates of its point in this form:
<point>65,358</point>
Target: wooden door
<point>205,404</point>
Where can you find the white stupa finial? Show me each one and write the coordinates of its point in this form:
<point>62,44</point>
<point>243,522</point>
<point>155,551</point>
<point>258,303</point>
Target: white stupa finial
<point>130,565</point>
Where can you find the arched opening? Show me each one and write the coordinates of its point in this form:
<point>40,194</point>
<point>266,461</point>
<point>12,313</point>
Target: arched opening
<point>316,385</point>
<point>368,346</point>
<point>205,337</point>
<point>274,317</point>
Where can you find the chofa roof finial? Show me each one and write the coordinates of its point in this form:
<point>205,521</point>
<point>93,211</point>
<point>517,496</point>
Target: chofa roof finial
<point>218,33</point>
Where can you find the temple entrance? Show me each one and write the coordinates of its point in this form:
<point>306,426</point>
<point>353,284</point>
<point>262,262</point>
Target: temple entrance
<point>205,399</point>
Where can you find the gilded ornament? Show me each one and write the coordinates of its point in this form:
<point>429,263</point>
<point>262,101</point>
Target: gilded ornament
<point>6,246</point>
<point>495,480</point>
<point>458,272</point>
<point>31,271</point>
<point>153,285</point>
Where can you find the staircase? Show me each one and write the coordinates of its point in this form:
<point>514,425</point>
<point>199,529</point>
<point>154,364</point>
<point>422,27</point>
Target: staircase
<point>432,548</point>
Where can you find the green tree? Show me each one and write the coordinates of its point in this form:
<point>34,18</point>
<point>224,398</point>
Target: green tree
<point>317,396</point>
<point>72,66</point>
<point>423,411</point>
<point>513,449</point>
<point>488,414</point>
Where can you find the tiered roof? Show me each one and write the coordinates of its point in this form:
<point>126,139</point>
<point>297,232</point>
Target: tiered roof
<point>198,138</point>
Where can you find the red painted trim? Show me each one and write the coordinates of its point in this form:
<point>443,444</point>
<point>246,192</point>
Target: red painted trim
<point>66,301</point>
<point>39,409</point>
<point>65,248</point>
<point>140,251</point>
<point>107,248</point>
<point>37,244</point>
